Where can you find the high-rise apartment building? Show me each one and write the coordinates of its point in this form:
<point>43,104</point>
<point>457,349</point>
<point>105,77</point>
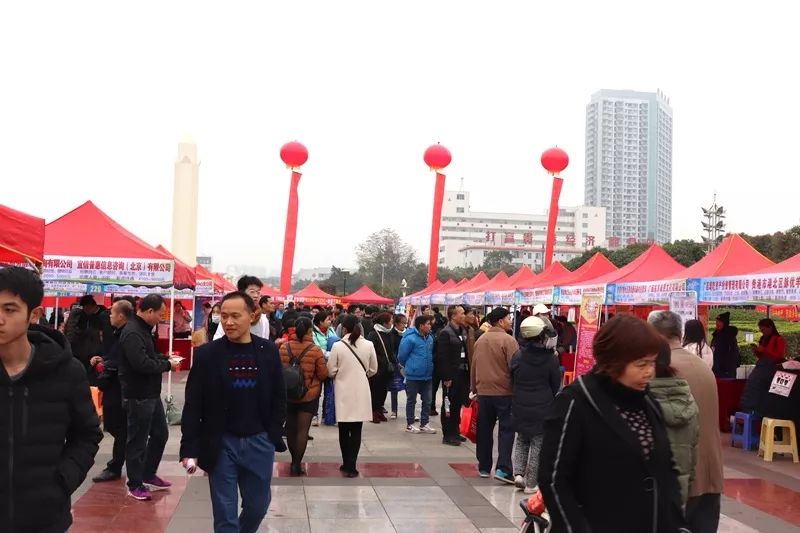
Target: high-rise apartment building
<point>629,164</point>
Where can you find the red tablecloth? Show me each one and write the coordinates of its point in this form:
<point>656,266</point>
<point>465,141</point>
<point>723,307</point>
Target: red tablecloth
<point>730,396</point>
<point>182,346</point>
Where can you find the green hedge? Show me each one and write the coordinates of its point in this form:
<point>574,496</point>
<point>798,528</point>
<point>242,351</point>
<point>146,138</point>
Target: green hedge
<point>746,320</point>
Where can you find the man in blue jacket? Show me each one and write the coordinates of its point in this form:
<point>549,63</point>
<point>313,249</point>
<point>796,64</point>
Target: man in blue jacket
<point>416,356</point>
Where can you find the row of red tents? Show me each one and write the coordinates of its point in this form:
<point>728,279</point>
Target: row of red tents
<point>89,232</point>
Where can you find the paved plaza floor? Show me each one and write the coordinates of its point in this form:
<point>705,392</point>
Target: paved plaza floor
<point>408,482</point>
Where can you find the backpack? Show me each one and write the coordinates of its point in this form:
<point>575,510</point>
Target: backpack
<point>293,375</point>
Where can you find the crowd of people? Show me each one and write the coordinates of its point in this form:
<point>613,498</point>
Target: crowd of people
<point>641,427</point>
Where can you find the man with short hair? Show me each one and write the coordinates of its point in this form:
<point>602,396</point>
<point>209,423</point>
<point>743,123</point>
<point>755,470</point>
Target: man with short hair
<point>452,365</point>
<point>268,310</point>
<point>260,327</point>
<point>416,356</point>
<point>703,507</point>
<point>49,427</point>
<point>491,381</point>
<point>89,332</point>
<point>233,418</point>
<point>140,370</point>
<point>114,419</point>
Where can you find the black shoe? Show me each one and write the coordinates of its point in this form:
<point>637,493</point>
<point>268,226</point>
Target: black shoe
<point>434,412</point>
<point>351,474</point>
<point>342,468</point>
<point>106,475</point>
<point>462,438</point>
<point>297,470</point>
<point>451,442</point>
<point>310,437</point>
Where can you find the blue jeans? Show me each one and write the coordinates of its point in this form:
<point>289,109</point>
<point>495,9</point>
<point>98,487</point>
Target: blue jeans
<point>423,388</point>
<point>147,436</point>
<point>246,463</point>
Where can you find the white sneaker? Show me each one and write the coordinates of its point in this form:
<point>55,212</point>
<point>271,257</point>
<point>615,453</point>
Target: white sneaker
<point>315,421</point>
<point>412,429</point>
<point>427,429</point>
<point>519,482</point>
<point>531,490</point>
<point>393,416</point>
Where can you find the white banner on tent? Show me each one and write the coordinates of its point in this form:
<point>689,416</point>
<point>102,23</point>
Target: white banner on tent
<point>474,298</point>
<point>65,288</point>
<point>542,295</point>
<point>767,288</point>
<point>499,297</point>
<point>440,298</point>
<point>574,295</point>
<point>684,304</point>
<point>646,292</point>
<point>104,270</point>
<point>130,290</point>
<point>454,298</point>
<point>204,287</point>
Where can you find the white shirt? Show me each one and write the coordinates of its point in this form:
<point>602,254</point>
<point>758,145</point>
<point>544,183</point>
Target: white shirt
<point>260,329</point>
<point>707,354</point>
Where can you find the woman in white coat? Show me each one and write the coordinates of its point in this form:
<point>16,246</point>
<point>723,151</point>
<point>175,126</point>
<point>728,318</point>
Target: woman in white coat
<point>351,363</point>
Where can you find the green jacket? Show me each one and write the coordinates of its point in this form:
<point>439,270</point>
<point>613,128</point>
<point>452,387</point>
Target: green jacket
<point>681,417</point>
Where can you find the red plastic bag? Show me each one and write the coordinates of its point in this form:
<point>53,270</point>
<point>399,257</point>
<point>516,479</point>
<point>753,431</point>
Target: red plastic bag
<point>469,421</point>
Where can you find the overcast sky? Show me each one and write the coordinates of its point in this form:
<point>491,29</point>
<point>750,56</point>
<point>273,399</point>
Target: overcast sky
<point>94,97</point>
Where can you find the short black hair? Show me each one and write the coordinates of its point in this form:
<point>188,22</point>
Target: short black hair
<point>352,308</point>
<point>436,310</point>
<point>290,305</point>
<point>86,299</point>
<point>451,311</point>
<point>339,307</point>
<point>384,317</point>
<point>245,281</point>
<point>320,317</point>
<point>151,301</point>
<point>497,314</point>
<point>263,300</point>
<point>251,305</point>
<point>421,320</point>
<point>23,283</point>
<point>372,309</point>
<point>398,317</point>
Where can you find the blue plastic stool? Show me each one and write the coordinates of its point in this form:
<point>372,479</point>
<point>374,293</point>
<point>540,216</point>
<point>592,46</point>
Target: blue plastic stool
<point>750,427</point>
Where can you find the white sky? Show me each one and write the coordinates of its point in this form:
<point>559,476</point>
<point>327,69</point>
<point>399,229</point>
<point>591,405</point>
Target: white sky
<point>94,97</point>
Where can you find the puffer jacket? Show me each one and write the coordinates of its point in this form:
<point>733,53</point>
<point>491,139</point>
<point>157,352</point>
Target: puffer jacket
<point>682,420</point>
<point>321,339</point>
<point>315,371</point>
<point>50,434</point>
<point>416,355</point>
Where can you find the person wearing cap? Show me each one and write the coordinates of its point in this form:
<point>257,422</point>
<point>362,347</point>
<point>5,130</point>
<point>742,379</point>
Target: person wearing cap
<point>536,379</point>
<point>726,348</point>
<point>490,377</point>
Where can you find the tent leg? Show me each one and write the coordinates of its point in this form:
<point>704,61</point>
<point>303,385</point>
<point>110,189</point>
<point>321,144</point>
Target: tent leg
<point>769,311</point>
<point>56,312</point>
<point>171,337</point>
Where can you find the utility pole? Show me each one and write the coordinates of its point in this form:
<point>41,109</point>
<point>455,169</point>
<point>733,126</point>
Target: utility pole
<point>383,273</point>
<point>714,225</point>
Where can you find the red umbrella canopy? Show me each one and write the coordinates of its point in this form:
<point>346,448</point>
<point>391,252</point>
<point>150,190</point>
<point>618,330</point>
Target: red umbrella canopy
<point>733,257</point>
<point>185,276</point>
<point>365,295</point>
<point>21,238</point>
<point>597,266</point>
<point>312,293</point>
<point>654,264</point>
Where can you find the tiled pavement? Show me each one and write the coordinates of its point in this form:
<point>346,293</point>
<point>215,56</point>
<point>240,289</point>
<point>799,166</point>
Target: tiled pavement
<point>408,483</point>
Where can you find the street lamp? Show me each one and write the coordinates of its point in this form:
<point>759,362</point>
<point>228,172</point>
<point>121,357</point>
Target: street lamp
<point>345,273</point>
<point>383,273</point>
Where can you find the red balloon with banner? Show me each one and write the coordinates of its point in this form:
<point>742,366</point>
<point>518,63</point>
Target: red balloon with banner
<point>554,161</point>
<point>294,155</point>
<point>437,157</point>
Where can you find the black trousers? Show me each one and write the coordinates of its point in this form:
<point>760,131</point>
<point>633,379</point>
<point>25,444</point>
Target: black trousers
<point>378,388</point>
<point>458,394</point>
<point>115,422</point>
<point>702,513</point>
<point>435,389</point>
<point>350,443</point>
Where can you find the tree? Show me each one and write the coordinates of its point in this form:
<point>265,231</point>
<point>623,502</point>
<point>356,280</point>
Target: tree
<point>384,256</point>
<point>497,259</point>
<point>623,256</point>
<point>686,252</point>
<point>777,246</point>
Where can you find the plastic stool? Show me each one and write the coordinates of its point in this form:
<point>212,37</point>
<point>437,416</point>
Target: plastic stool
<point>568,378</point>
<point>788,443</point>
<point>750,423</point>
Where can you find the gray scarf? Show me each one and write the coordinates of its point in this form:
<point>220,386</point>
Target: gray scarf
<point>382,329</point>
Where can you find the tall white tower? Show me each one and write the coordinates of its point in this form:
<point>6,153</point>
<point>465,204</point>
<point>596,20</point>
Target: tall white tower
<point>184,202</point>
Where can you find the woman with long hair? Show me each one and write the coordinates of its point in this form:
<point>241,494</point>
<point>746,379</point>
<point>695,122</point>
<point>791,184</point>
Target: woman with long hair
<point>322,333</point>
<point>771,345</point>
<point>606,463</point>
<point>381,339</point>
<point>351,363</point>
<point>213,321</point>
<point>300,350</point>
<point>695,341</point>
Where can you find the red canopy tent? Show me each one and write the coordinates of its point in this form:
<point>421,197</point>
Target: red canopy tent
<point>652,265</point>
<point>365,295</point>
<point>547,276</point>
<point>21,238</point>
<point>312,294</point>
<point>226,285</point>
<point>597,266</point>
<point>432,287</point>
<point>524,277</point>
<point>269,290</point>
<point>207,283</point>
<point>424,298</point>
<point>477,295</point>
<point>185,276</point>
<point>733,257</point>
<point>440,296</point>
<point>789,265</point>
<point>456,294</point>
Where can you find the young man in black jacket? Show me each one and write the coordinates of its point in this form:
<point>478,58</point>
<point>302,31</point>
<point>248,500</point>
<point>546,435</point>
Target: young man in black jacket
<point>48,423</point>
<point>232,421</point>
<point>452,365</point>
<point>140,370</point>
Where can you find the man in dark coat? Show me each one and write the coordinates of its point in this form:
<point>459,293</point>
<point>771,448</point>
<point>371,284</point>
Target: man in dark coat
<point>727,356</point>
<point>89,332</point>
<point>452,363</point>
<point>47,419</point>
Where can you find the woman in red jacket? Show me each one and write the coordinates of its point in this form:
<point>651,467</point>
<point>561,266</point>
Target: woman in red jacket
<point>771,345</point>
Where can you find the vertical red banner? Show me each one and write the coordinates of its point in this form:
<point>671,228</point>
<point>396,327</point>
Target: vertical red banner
<point>588,324</point>
<point>552,221</point>
<point>290,235</point>
<point>436,224</point>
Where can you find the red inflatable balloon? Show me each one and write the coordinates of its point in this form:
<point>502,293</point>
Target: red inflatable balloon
<point>437,157</point>
<point>294,154</point>
<point>554,160</point>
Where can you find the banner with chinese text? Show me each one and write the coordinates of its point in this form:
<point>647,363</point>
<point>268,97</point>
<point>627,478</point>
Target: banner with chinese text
<point>588,324</point>
<point>754,288</point>
<point>642,293</point>
<point>574,295</point>
<point>108,271</point>
<point>684,304</point>
<point>542,295</point>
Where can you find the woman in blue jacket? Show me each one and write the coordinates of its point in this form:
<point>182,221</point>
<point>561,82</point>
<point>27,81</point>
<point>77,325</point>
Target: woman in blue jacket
<point>416,356</point>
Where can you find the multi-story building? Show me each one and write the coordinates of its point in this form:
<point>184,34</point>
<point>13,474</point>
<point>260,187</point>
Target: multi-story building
<point>312,274</point>
<point>467,236</point>
<point>629,164</point>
